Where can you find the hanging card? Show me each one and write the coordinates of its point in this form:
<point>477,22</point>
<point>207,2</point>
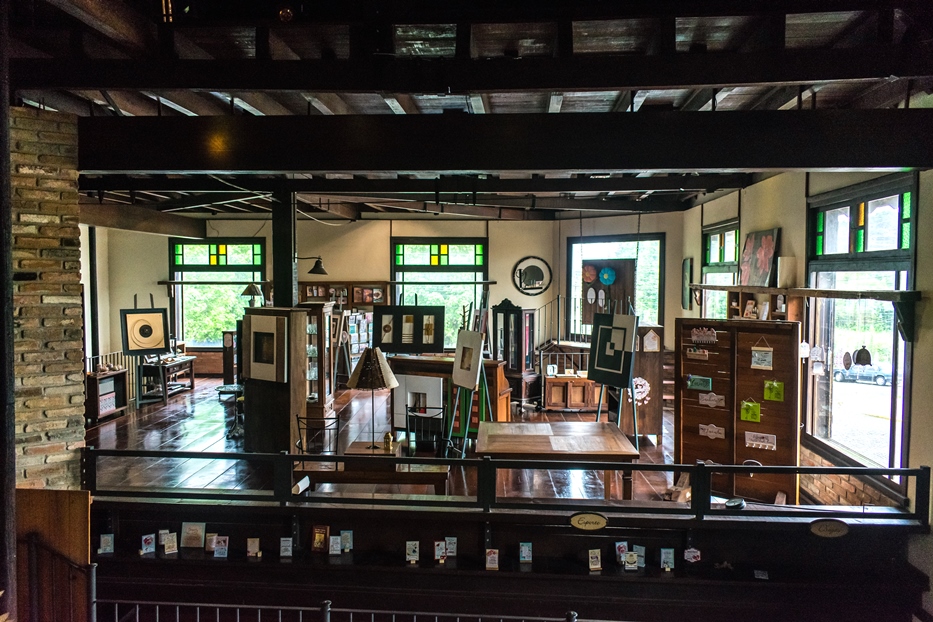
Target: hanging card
<point>712,400</point>
<point>751,411</point>
<point>699,383</point>
<point>652,342</point>
<point>712,431</point>
<point>774,391</point>
<point>762,357</point>
<point>697,354</point>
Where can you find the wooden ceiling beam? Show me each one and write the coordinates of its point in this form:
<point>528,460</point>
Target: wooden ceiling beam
<point>746,141</point>
<point>591,72</point>
<point>144,220</point>
<point>339,207</point>
<point>370,188</point>
<point>115,20</point>
<point>532,11</point>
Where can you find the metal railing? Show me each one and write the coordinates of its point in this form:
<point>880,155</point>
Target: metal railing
<point>560,320</point>
<point>485,499</point>
<point>57,588</point>
<point>125,610</point>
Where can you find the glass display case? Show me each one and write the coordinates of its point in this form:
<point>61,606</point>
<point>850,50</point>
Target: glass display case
<point>319,350</point>
<point>513,341</point>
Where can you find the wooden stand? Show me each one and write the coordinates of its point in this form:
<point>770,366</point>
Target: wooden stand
<point>105,395</point>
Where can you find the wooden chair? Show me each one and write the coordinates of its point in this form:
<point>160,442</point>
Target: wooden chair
<point>427,428</point>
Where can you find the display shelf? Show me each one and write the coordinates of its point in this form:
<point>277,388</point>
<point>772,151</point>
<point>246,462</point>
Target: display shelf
<point>903,300</point>
<point>513,341</point>
<point>106,395</point>
<point>319,350</point>
<point>366,293</point>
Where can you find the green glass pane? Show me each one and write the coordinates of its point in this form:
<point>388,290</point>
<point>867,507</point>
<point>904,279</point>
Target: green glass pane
<point>859,240</point>
<point>443,260</point>
<point>240,254</point>
<point>463,254</point>
<point>434,250</point>
<point>905,235</point>
<point>417,255</point>
<point>819,245</point>
<point>257,260</point>
<point>905,207</point>
<point>178,249</point>
<point>179,260</point>
<point>213,249</point>
<point>479,260</point>
<point>223,260</point>
<point>819,222</point>
<point>257,249</point>
<point>195,255</point>
<point>399,249</point>
<point>399,260</point>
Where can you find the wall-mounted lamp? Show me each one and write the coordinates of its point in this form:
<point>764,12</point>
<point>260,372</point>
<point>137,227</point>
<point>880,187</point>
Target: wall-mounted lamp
<point>252,290</point>
<point>318,266</point>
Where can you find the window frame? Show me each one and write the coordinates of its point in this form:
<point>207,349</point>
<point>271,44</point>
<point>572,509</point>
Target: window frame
<point>397,287</point>
<point>660,238</point>
<point>176,272</point>
<point>718,267</point>
<point>901,261</point>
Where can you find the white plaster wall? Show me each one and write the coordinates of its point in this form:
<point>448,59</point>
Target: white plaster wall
<point>137,262</point>
<point>510,242</point>
<point>921,423</point>
<point>721,209</point>
<point>103,289</point>
<point>779,201</point>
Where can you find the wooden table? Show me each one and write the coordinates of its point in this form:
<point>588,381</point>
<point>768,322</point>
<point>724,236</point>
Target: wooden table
<point>571,441</point>
<point>164,373</point>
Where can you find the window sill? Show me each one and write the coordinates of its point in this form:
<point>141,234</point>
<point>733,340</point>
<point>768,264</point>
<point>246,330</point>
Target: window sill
<point>824,450</point>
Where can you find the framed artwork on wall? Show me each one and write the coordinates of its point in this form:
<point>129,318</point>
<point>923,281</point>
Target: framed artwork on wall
<point>756,267</point>
<point>686,299</point>
<point>409,329</point>
<point>144,331</point>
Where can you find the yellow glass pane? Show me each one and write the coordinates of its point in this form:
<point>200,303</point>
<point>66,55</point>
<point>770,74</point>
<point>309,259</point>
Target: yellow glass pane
<point>443,249</point>
<point>213,260</point>
<point>861,214</point>
<point>433,260</point>
<point>223,249</point>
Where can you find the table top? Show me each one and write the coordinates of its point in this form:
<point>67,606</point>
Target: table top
<point>177,360</point>
<point>572,440</point>
<point>362,448</point>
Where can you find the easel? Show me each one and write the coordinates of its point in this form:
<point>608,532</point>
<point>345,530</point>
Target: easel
<point>464,406</point>
<point>631,389</point>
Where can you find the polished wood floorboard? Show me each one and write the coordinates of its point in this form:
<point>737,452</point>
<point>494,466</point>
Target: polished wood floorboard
<point>199,420</point>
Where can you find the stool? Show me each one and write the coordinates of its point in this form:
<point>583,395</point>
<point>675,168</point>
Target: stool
<point>237,430</point>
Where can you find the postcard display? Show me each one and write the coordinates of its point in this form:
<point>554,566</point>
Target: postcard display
<point>738,401</point>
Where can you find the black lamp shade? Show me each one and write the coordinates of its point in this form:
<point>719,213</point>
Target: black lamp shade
<point>318,267</point>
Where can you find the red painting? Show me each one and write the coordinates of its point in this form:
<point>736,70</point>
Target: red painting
<point>757,264</point>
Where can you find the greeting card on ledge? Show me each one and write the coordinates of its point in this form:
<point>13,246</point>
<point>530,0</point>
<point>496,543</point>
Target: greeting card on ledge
<point>192,535</point>
<point>319,538</point>
<point>596,561</point>
<point>209,542</point>
<point>492,559</point>
<point>252,547</point>
<point>334,548</point>
<point>524,552</point>
<point>285,547</point>
<point>667,559</point>
<point>148,544</point>
<point>220,545</point>
<point>162,534</point>
<point>346,541</point>
<point>170,541</point>
<point>440,551</point>
<point>630,561</point>
<point>621,550</point>
<point>411,551</point>
<point>640,553</point>
<point>106,544</point>
<point>451,543</point>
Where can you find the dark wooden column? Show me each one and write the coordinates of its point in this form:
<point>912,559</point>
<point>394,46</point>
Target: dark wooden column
<point>7,416</point>
<point>284,253</point>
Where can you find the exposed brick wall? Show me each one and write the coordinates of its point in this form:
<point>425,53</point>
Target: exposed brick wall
<point>49,346</point>
<point>838,489</point>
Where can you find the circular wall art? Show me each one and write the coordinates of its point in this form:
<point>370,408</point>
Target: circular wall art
<point>531,276</point>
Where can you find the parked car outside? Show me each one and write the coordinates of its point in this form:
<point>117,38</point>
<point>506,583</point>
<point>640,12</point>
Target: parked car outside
<point>875,374</point>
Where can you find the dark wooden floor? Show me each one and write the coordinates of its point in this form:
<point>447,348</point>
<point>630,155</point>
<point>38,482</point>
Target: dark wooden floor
<point>199,421</point>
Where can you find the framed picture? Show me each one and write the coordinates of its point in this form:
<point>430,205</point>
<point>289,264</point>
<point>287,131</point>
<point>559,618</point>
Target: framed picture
<point>757,262</point>
<point>379,296</point>
<point>357,295</point>
<point>145,331</point>
<point>612,349</point>
<point>750,310</point>
<point>409,329</point>
<point>467,359</point>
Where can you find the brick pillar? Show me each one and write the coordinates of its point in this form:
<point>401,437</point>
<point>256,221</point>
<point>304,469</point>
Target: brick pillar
<point>47,309</point>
